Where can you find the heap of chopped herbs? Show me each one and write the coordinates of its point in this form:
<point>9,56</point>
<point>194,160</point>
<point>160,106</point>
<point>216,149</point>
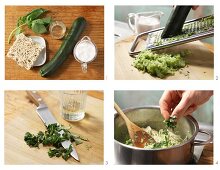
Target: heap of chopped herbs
<point>159,64</point>
<point>34,21</point>
<point>53,137</point>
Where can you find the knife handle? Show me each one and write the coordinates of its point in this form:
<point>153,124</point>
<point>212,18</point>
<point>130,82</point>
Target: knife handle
<point>35,98</point>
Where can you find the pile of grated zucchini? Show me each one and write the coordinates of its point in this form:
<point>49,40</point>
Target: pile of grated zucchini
<point>189,30</point>
<point>164,138</point>
<point>159,64</point>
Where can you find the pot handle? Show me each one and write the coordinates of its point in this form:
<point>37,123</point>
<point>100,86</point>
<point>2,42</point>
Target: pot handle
<point>200,143</point>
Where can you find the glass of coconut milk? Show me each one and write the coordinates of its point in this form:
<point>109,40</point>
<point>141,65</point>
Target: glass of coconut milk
<point>144,21</point>
<point>85,52</point>
<point>73,104</point>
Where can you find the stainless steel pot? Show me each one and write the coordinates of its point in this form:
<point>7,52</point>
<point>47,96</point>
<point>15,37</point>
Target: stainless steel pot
<point>151,116</point>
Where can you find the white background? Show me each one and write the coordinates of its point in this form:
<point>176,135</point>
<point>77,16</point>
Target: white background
<point>109,84</point>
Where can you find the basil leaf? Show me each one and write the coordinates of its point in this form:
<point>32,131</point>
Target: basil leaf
<point>47,20</point>
<point>38,28</point>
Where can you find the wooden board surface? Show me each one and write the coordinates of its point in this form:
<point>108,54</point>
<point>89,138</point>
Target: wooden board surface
<point>207,155</point>
<point>200,62</point>
<point>70,69</point>
<point>21,116</point>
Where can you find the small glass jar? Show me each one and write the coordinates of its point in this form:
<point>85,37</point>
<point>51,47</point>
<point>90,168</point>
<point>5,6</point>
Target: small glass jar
<point>73,104</point>
<point>57,29</point>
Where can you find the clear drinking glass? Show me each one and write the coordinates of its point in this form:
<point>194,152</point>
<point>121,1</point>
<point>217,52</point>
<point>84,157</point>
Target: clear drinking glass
<point>73,104</point>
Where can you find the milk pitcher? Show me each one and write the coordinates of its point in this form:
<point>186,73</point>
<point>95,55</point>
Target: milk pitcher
<point>144,21</point>
<point>85,52</point>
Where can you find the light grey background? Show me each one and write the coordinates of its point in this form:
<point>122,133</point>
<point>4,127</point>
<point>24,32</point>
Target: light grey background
<point>136,98</point>
<point>121,13</point>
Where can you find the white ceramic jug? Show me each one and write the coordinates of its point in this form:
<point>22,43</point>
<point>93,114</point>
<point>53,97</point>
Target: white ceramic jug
<point>144,21</point>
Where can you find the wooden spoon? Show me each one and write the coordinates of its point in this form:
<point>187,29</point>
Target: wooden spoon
<point>138,136</point>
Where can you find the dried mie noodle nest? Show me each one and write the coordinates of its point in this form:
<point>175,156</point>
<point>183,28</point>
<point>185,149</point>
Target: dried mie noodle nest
<point>24,51</point>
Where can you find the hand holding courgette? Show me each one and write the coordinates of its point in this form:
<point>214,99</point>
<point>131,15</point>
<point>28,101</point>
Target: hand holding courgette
<point>66,47</point>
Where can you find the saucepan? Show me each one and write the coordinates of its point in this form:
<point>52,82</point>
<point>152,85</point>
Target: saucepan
<point>151,116</point>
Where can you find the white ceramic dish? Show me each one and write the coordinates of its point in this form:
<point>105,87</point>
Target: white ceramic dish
<point>43,56</point>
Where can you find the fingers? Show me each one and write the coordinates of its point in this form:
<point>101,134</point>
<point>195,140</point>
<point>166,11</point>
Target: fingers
<point>183,107</point>
<point>181,103</point>
<point>164,109</point>
<point>190,110</point>
<point>195,7</point>
<point>166,104</point>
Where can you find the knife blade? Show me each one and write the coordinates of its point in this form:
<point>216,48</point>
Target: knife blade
<point>47,117</point>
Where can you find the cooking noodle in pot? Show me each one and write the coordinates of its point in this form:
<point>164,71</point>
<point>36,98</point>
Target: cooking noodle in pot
<point>164,138</point>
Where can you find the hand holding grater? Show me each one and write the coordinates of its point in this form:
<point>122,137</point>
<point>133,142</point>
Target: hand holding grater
<point>190,31</point>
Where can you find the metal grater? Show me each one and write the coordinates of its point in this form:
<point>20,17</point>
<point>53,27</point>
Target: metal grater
<point>192,30</point>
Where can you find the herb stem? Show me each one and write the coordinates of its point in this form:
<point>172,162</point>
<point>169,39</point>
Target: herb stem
<point>13,32</point>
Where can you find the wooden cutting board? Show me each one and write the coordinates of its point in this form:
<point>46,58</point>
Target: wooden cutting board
<point>21,116</point>
<point>70,69</point>
<point>200,62</point>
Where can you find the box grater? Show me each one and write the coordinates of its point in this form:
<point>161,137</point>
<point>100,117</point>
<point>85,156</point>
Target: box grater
<point>193,30</point>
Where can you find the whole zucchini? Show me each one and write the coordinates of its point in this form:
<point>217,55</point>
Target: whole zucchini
<point>66,47</point>
<point>175,22</point>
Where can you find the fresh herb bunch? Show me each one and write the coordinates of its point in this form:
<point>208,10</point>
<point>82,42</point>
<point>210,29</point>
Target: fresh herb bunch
<point>171,122</point>
<point>33,21</point>
<point>54,136</point>
<point>159,64</point>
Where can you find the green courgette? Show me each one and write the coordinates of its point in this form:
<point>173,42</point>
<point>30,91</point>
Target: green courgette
<point>66,47</point>
<point>175,22</point>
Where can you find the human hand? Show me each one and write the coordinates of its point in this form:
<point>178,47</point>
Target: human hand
<point>181,103</point>
<point>195,7</point>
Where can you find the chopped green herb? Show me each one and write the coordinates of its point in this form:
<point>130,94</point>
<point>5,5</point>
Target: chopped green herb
<point>31,139</point>
<point>54,136</point>
<point>171,122</point>
<point>65,153</point>
<point>56,152</point>
<point>128,142</point>
<point>88,147</point>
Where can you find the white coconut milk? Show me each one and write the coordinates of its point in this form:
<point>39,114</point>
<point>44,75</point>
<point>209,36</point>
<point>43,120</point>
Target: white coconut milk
<point>85,51</point>
<point>144,23</point>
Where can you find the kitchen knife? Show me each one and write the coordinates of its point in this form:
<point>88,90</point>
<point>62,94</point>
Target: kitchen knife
<point>47,117</point>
